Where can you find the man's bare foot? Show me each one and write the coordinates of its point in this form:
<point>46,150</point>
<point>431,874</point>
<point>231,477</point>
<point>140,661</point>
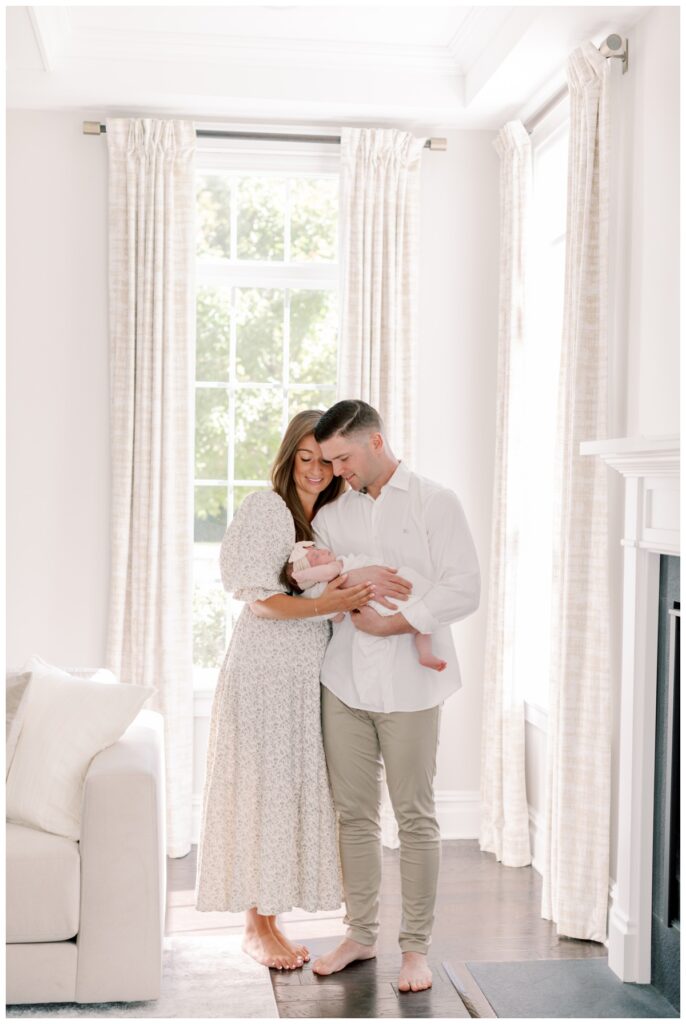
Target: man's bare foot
<point>266,949</point>
<point>415,974</point>
<point>344,954</point>
<point>429,661</point>
<point>295,948</point>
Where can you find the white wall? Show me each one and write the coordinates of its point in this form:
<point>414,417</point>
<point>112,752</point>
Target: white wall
<point>57,390</point>
<point>458,331</point>
<point>651,214</point>
<point>58,396</point>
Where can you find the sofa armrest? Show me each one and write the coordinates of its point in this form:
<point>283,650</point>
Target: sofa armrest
<point>123,867</point>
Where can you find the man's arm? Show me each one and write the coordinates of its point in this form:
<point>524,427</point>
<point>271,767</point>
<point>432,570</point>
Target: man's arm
<point>457,591</point>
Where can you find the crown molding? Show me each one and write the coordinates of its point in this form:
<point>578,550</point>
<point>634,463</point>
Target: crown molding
<point>52,29</point>
<point>200,47</point>
<point>500,47</point>
<point>474,33</point>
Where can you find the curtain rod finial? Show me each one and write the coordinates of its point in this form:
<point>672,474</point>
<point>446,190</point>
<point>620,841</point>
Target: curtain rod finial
<point>91,128</point>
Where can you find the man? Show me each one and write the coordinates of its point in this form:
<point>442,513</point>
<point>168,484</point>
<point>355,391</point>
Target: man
<point>398,518</point>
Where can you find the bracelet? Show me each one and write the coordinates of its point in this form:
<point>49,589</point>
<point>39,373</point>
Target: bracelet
<point>315,608</point>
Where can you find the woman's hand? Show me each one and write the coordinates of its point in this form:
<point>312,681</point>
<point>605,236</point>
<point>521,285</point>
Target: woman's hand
<point>385,581</point>
<point>340,598</point>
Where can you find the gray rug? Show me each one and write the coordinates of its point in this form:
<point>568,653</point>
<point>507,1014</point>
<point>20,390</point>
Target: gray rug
<point>203,976</point>
<point>565,988</point>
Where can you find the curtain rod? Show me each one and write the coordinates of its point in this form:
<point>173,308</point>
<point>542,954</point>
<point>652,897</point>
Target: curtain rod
<point>95,128</point>
<point>613,46</point>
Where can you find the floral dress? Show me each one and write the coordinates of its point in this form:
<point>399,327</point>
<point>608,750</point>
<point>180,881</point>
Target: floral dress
<point>268,836</point>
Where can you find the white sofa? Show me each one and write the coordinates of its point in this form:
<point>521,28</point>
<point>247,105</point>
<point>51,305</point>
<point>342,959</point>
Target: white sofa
<point>85,920</point>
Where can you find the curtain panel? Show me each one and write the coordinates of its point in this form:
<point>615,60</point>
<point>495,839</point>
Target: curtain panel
<point>379,218</point>
<point>152,367</point>
<point>504,824</point>
<point>576,842</point>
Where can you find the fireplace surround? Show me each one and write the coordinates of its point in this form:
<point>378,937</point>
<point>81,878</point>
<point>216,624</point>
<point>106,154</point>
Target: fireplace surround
<point>650,468</point>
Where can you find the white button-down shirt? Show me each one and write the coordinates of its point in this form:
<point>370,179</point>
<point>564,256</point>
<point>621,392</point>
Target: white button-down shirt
<point>420,524</point>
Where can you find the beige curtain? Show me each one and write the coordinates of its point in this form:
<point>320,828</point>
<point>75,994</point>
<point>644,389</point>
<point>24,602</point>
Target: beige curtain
<point>577,819</point>
<point>152,366</point>
<point>379,219</point>
<point>504,825</point>
<point>379,228</point>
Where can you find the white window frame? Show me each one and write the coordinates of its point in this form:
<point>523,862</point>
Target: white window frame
<point>235,158</point>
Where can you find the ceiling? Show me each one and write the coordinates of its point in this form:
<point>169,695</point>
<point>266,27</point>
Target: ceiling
<point>425,68</point>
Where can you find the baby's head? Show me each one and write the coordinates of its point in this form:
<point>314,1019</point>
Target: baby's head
<point>305,557</point>
<point>319,556</point>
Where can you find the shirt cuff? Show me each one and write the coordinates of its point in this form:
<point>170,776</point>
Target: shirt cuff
<point>419,616</point>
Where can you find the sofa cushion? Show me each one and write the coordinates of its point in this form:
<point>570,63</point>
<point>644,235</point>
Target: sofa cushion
<point>43,885</point>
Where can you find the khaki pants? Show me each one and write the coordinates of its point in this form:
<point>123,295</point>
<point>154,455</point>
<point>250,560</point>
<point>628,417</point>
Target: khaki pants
<point>354,742</point>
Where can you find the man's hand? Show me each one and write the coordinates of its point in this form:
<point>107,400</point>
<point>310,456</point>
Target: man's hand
<point>369,621</point>
<point>387,583</point>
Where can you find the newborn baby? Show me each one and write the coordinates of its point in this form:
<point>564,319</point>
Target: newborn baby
<point>311,568</point>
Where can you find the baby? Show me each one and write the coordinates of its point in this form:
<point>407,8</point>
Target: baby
<point>311,568</point>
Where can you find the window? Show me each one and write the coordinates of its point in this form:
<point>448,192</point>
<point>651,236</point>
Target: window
<point>542,361</point>
<point>267,340</point>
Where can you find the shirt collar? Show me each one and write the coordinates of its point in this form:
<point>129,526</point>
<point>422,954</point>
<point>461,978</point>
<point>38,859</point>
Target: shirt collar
<point>399,479</point>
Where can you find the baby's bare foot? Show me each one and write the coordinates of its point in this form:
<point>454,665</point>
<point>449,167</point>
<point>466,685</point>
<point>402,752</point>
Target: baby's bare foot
<point>415,974</point>
<point>266,949</point>
<point>429,661</point>
<point>344,954</point>
<point>297,950</point>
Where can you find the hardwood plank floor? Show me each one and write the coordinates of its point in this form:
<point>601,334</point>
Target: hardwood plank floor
<point>484,911</point>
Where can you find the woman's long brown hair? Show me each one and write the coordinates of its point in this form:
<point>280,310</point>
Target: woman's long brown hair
<point>302,424</point>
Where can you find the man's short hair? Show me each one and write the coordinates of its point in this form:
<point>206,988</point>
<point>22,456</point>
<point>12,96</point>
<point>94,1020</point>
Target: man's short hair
<point>350,416</point>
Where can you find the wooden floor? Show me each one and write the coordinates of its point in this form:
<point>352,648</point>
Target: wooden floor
<point>484,912</point>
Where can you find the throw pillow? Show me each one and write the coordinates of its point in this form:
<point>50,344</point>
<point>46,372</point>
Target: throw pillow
<point>15,690</point>
<point>66,722</point>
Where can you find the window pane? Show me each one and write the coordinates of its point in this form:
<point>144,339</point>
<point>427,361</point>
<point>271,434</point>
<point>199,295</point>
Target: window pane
<point>210,513</point>
<point>261,217</point>
<point>239,493</point>
<point>314,213</point>
<point>209,621</point>
<point>213,321</point>
<point>214,216</point>
<point>211,431</point>
<point>316,398</point>
<point>259,334</point>
<point>258,431</point>
<point>314,337</point>
<point>550,187</point>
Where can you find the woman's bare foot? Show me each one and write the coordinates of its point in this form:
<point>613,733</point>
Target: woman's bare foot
<point>344,954</point>
<point>260,942</point>
<point>267,950</point>
<point>415,974</point>
<point>295,948</point>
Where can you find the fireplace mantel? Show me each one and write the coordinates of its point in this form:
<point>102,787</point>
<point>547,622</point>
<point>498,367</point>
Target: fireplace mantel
<point>650,467</point>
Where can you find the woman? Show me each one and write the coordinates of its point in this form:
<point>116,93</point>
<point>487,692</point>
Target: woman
<point>268,840</point>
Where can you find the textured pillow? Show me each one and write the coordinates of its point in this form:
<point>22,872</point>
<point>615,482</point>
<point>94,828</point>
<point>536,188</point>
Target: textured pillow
<point>66,722</point>
<point>15,691</point>
<point>16,682</point>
